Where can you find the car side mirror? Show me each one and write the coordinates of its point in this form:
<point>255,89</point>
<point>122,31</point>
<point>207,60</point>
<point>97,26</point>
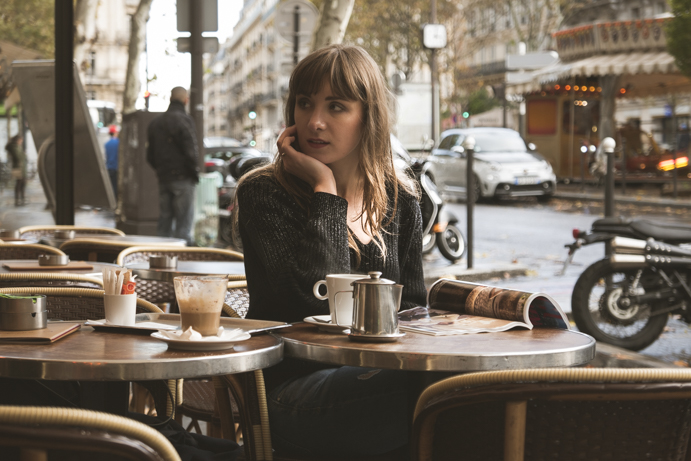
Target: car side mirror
<point>459,150</point>
<point>532,146</point>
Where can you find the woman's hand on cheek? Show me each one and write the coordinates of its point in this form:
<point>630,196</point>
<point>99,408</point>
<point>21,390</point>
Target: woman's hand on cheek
<point>309,169</point>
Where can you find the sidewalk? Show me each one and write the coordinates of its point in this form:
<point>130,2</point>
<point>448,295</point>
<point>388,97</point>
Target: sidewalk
<point>35,211</point>
<point>636,194</point>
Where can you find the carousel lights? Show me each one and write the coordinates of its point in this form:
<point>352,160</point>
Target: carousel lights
<point>591,89</point>
<point>622,90</point>
<point>567,87</point>
<point>580,103</point>
<point>576,88</point>
<point>557,87</point>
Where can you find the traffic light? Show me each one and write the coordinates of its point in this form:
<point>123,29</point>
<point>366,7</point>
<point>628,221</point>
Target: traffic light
<point>146,99</point>
<point>466,114</point>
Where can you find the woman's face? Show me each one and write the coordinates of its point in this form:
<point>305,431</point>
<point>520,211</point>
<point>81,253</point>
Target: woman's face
<point>329,129</point>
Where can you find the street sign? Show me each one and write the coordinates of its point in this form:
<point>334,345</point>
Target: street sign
<point>209,15</point>
<point>285,19</point>
<point>209,45</point>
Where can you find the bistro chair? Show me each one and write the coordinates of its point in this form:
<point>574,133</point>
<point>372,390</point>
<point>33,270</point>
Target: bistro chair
<point>28,251</point>
<point>41,433</point>
<point>564,414</point>
<point>36,232</point>
<point>49,279</point>
<point>158,291</point>
<point>74,304</point>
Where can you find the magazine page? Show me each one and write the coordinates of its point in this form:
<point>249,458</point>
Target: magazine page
<point>445,323</point>
<point>531,309</point>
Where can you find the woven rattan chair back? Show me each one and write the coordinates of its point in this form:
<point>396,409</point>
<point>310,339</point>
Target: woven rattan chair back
<point>237,299</point>
<point>36,232</point>
<point>158,291</point>
<point>73,304</point>
<point>49,279</point>
<point>29,251</point>
<point>564,414</point>
<point>40,433</point>
<point>83,249</point>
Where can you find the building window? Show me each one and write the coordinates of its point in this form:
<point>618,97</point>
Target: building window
<point>92,63</point>
<point>90,95</point>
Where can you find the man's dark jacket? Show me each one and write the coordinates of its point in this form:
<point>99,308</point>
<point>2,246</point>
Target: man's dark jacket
<point>172,149</point>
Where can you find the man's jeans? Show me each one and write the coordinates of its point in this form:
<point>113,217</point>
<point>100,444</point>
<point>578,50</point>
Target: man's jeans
<point>347,411</point>
<point>176,200</point>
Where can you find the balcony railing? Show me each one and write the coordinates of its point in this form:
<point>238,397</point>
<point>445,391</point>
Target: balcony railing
<point>611,37</point>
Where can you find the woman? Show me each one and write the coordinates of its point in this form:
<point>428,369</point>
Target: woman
<point>331,202</point>
<point>18,157</point>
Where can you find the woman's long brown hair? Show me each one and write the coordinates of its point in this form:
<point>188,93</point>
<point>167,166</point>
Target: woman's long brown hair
<point>353,75</point>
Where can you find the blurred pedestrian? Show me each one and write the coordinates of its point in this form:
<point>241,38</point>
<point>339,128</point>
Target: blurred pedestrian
<point>172,152</point>
<point>18,158</point>
<point>112,146</point>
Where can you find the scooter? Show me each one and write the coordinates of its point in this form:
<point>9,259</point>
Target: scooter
<point>626,298</point>
<point>439,225</point>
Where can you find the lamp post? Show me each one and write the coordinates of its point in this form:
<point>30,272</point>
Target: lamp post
<point>468,145</point>
<point>608,145</point>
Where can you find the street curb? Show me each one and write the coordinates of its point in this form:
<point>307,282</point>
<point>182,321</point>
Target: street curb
<point>621,199</point>
<point>486,271</point>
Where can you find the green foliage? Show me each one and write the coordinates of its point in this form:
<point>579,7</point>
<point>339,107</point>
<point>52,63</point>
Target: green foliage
<point>30,24</point>
<point>678,32</point>
<point>480,101</point>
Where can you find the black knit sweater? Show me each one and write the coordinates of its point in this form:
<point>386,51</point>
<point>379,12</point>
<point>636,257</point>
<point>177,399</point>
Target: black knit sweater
<point>287,249</point>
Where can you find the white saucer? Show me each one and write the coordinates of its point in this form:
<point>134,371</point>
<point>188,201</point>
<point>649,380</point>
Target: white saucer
<point>374,338</point>
<point>209,343</point>
<point>323,322</point>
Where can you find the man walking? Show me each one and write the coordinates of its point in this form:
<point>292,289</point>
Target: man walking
<point>172,152</point>
<point>112,146</point>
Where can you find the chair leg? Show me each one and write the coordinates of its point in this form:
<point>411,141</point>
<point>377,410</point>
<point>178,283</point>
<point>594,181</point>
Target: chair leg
<point>514,430</point>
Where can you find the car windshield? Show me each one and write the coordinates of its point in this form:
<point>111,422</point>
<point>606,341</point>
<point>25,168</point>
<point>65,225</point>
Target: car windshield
<point>498,142</point>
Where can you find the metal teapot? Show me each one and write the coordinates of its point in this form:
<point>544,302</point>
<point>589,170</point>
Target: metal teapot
<point>376,302</point>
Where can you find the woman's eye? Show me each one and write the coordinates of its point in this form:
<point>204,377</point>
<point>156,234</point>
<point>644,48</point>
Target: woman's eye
<point>337,107</point>
<point>302,103</point>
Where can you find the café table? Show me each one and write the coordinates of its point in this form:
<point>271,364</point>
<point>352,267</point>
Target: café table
<point>134,240</point>
<point>95,271</point>
<point>108,361</point>
<point>517,348</point>
<point>143,271</point>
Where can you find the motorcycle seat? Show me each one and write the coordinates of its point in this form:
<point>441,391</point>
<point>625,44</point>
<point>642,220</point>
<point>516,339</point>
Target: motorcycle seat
<point>644,229</point>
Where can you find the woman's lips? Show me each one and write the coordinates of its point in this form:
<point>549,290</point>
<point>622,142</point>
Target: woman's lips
<point>314,144</point>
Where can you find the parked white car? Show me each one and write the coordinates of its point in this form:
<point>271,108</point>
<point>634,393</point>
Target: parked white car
<point>504,165</point>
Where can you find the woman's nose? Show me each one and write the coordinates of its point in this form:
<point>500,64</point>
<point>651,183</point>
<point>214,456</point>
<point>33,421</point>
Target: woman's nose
<point>317,120</point>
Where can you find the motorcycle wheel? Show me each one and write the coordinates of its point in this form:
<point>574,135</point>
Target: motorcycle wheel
<point>428,242</point>
<point>597,313</point>
<point>451,243</point>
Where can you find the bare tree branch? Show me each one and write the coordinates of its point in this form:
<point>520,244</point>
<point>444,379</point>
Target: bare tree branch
<point>134,51</point>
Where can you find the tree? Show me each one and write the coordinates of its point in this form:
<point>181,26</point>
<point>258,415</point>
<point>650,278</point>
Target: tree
<point>30,24</point>
<point>134,52</point>
<point>678,31</point>
<point>333,20</point>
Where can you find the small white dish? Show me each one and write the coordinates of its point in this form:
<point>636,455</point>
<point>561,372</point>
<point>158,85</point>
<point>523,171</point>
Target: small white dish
<point>323,322</point>
<point>374,338</point>
<point>207,343</point>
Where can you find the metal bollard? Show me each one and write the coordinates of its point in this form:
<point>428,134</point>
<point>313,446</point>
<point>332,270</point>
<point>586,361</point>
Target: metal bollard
<point>608,145</point>
<point>468,145</point>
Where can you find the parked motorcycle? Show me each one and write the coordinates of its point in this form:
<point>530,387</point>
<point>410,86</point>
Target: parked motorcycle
<point>625,299</point>
<point>439,225</point>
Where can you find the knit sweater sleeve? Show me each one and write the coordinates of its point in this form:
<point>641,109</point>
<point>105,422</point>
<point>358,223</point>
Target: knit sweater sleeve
<point>410,253</point>
<point>293,248</point>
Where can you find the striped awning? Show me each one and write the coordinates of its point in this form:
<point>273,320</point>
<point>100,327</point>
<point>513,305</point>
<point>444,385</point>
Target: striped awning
<point>654,62</point>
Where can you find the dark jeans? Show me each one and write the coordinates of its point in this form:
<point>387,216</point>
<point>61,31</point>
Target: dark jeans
<point>113,174</point>
<point>176,217</point>
<point>347,411</point>
<point>19,186</point>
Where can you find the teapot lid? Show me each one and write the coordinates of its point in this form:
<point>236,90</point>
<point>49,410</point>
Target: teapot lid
<point>374,279</point>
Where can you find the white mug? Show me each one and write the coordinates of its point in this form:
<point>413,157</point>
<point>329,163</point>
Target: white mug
<point>341,307</point>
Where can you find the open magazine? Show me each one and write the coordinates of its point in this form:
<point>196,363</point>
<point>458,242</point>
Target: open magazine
<point>455,307</point>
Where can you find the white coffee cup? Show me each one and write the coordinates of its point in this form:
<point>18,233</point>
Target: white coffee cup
<point>339,293</point>
<point>120,309</point>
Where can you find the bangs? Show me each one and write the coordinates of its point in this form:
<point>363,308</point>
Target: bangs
<point>337,68</point>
